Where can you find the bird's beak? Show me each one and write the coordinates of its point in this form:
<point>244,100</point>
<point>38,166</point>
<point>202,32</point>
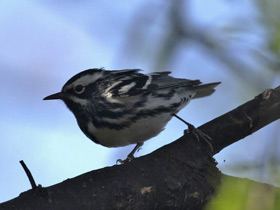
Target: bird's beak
<point>59,95</point>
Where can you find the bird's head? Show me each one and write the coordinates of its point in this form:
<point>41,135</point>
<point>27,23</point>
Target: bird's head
<point>79,91</point>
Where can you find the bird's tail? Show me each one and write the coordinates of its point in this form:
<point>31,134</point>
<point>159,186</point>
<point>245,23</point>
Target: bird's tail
<point>205,90</point>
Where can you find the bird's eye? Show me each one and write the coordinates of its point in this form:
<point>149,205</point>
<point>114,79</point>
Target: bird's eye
<point>79,89</point>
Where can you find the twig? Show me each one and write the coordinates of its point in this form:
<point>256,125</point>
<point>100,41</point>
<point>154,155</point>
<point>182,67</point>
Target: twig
<point>29,175</point>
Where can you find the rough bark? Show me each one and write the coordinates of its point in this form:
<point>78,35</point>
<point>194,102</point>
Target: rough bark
<point>181,175</point>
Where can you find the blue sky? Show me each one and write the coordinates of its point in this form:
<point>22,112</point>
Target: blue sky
<point>44,44</point>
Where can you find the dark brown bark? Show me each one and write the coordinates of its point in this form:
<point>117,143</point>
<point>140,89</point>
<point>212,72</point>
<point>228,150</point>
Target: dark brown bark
<point>181,175</point>
<point>244,120</point>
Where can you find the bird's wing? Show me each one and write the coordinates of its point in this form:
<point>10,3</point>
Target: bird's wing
<point>130,82</point>
<point>124,83</point>
<point>161,80</point>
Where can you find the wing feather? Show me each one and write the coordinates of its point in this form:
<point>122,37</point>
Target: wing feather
<point>129,82</point>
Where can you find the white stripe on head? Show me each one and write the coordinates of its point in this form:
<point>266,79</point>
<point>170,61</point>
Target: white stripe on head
<point>85,80</point>
<point>77,100</point>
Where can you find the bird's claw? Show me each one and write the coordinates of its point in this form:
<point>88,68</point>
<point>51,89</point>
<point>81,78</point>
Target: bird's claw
<point>128,159</point>
<point>200,135</point>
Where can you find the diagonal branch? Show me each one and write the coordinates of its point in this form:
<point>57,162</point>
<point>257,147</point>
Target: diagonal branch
<point>181,175</point>
<point>244,120</point>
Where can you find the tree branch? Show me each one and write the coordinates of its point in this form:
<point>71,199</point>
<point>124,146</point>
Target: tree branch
<point>181,175</point>
<point>244,120</point>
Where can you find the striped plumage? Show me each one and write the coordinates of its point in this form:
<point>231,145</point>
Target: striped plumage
<point>122,107</point>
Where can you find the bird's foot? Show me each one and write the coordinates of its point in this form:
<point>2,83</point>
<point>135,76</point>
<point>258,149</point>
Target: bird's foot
<point>128,159</point>
<point>198,133</point>
<point>130,156</point>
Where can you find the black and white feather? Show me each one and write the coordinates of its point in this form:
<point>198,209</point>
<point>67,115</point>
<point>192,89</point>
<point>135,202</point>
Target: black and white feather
<point>122,107</point>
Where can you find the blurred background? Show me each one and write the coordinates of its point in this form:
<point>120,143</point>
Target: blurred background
<point>44,43</point>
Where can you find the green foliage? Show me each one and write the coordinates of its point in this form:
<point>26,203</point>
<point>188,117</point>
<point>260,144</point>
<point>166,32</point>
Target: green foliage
<point>244,194</point>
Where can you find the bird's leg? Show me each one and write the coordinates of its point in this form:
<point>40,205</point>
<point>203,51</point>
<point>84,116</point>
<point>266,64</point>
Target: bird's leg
<point>198,133</point>
<point>130,156</point>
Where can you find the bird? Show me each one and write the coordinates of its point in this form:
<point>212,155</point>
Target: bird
<point>115,108</point>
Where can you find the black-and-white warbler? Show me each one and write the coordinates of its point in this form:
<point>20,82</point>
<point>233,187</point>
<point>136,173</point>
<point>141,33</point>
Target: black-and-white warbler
<point>121,107</point>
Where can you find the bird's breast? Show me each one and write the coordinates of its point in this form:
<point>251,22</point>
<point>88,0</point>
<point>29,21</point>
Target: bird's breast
<point>138,131</point>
